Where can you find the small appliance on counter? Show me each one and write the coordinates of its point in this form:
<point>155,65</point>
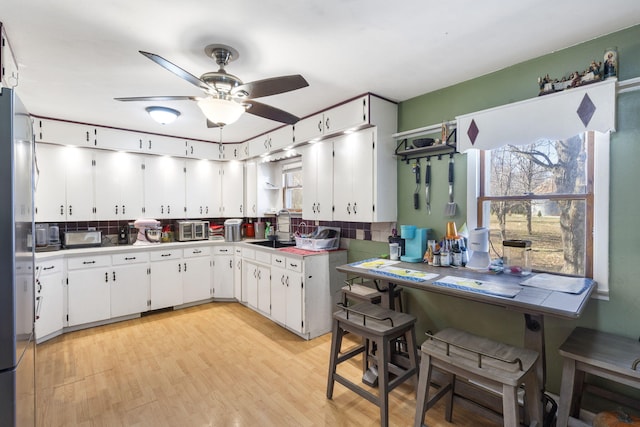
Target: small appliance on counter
<point>479,249</point>
<point>149,231</point>
<point>233,230</point>
<point>415,243</point>
<point>47,237</point>
<point>82,239</point>
<point>123,235</point>
<point>186,231</point>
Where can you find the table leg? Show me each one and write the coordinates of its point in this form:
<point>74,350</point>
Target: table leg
<point>534,340</point>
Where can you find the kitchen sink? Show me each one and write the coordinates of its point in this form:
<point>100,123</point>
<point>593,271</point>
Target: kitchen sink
<point>276,244</point>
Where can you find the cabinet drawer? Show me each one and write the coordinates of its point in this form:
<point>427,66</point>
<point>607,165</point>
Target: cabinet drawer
<point>248,253</point>
<point>130,258</point>
<point>223,250</point>
<point>279,261</point>
<point>166,255</point>
<point>196,252</point>
<point>88,262</point>
<point>264,257</point>
<point>294,264</point>
<point>49,267</point>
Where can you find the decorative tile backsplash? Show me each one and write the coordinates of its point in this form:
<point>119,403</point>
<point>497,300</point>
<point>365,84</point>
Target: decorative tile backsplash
<point>350,230</point>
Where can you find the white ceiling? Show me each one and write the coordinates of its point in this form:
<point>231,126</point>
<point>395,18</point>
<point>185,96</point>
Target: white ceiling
<point>76,56</point>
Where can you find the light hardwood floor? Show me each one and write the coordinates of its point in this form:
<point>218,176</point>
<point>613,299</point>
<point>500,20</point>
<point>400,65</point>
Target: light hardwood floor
<point>218,364</point>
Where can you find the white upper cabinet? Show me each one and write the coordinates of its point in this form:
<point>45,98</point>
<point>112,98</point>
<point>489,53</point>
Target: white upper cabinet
<point>317,170</point>
<point>64,184</point>
<point>164,187</point>
<point>277,139</point>
<point>351,114</point>
<point>353,180</point>
<point>8,64</point>
<point>202,194</point>
<point>119,185</point>
<point>65,133</point>
<point>232,189</point>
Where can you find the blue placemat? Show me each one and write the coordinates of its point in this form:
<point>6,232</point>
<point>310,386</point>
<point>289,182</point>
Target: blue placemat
<point>480,287</point>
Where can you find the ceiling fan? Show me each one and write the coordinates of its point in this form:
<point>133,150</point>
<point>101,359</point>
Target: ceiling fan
<point>226,96</point>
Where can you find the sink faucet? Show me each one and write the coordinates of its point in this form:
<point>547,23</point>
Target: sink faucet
<point>283,229</point>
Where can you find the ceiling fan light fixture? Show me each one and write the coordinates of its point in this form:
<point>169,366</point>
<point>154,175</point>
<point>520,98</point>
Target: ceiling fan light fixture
<point>163,115</point>
<point>221,111</point>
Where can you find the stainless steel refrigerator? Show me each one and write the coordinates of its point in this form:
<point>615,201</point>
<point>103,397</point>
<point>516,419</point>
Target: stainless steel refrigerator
<point>17,346</point>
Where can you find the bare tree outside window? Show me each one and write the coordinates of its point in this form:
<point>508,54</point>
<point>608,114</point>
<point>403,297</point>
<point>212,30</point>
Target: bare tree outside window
<point>540,192</point>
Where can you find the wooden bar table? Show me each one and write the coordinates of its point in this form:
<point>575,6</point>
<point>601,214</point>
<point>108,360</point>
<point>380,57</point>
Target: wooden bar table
<point>533,302</point>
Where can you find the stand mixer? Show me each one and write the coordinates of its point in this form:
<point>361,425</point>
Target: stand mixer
<point>149,231</point>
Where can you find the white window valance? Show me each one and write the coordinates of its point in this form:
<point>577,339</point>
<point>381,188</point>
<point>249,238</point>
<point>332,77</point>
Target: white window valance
<point>556,116</point>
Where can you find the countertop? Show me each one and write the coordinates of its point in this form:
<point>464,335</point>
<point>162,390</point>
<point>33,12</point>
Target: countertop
<point>116,249</point>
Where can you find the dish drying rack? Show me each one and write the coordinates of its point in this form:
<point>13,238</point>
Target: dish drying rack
<point>323,239</point>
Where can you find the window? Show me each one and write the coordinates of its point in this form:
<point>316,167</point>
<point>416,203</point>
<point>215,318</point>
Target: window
<point>553,193</point>
<point>292,186</point>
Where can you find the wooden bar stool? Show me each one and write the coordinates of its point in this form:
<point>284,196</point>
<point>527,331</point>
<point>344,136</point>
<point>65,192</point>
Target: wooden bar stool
<point>381,326</point>
<point>587,351</point>
<point>492,364</point>
<point>357,290</point>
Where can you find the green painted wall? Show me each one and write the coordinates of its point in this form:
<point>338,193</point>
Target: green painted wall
<point>621,314</point>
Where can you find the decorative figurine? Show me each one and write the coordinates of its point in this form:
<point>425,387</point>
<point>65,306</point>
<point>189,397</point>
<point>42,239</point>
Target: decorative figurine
<point>610,63</point>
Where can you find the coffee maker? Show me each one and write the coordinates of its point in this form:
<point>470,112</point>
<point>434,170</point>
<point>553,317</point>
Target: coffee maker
<point>123,235</point>
<point>415,243</point>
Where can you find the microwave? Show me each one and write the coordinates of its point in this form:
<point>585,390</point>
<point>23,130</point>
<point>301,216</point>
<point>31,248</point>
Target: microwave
<point>186,231</point>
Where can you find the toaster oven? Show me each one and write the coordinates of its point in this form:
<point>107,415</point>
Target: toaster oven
<point>186,231</point>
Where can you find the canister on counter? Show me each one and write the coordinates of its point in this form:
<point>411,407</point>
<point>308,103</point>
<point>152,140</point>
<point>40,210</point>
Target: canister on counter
<point>516,257</point>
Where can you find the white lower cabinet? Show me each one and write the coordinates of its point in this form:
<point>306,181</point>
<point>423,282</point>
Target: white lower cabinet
<point>256,276</point>
<point>129,283</point>
<point>166,278</point>
<point>302,291</point>
<point>88,289</point>
<point>49,304</point>
<point>286,292</point>
<point>237,274</point>
<point>223,272</point>
<point>196,274</point>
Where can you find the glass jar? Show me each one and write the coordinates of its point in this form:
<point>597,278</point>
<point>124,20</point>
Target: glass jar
<point>516,257</point>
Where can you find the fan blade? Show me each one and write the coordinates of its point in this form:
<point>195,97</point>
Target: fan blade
<point>272,86</point>
<point>158,98</point>
<point>210,124</point>
<point>272,113</point>
<point>176,70</point>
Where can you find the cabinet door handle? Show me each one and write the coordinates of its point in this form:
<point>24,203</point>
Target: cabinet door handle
<point>179,268</point>
<point>287,281</point>
<point>129,258</point>
<point>87,136</point>
<point>349,208</point>
<point>61,210</point>
<point>293,265</point>
<point>49,268</point>
<point>149,144</point>
<point>319,125</point>
<point>168,209</point>
<point>123,211</point>
<point>200,210</point>
<point>161,209</point>
<point>88,262</point>
<point>230,264</point>
<point>196,251</point>
<point>163,255</point>
<point>106,277</point>
<point>279,261</point>
<point>70,210</point>
<point>114,276</point>
<point>185,267</point>
<point>282,280</point>
<point>327,124</point>
<point>313,208</point>
<point>318,208</point>
<point>116,209</point>
<point>355,208</point>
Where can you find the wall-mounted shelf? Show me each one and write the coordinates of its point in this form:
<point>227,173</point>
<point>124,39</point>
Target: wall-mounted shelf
<point>408,152</point>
